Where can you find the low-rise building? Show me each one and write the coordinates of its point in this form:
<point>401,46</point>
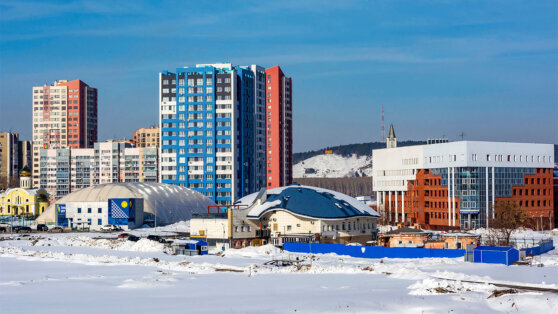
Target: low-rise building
<point>289,214</point>
<point>404,237</point>
<point>23,201</point>
<point>125,204</point>
<point>415,237</point>
<point>127,213</point>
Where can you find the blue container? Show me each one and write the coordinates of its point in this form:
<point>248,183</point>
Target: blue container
<point>495,255</point>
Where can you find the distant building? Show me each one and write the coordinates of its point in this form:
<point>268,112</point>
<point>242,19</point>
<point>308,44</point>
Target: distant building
<point>212,119</point>
<point>64,115</point>
<point>64,171</point>
<point>23,201</point>
<point>455,185</point>
<point>146,137</point>
<point>14,155</point>
<point>128,205</point>
<point>279,128</point>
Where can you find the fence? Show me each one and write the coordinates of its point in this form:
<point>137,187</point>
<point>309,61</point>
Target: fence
<point>371,251</point>
<point>541,248</point>
<point>517,243</point>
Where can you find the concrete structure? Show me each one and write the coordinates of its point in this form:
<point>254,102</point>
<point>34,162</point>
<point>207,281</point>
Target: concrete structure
<point>160,204</point>
<point>455,185</point>
<point>146,137</point>
<point>23,201</point>
<point>64,115</point>
<point>294,214</point>
<point>14,155</point>
<point>64,171</point>
<point>212,119</point>
<point>279,109</point>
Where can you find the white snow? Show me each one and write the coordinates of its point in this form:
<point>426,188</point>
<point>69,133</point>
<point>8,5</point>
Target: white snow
<point>90,272</point>
<point>333,166</point>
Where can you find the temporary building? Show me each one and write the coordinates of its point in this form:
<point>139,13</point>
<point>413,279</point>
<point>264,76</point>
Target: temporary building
<point>495,255</point>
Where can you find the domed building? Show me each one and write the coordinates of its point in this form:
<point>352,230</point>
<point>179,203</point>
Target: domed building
<point>293,213</point>
<point>23,201</point>
<point>129,205</point>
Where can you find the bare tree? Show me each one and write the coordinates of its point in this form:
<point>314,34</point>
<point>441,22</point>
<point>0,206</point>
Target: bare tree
<point>508,217</point>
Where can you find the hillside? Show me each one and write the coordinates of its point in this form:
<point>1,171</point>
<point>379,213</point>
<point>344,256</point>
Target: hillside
<point>333,166</point>
<point>353,160</point>
<point>350,186</point>
<point>360,149</point>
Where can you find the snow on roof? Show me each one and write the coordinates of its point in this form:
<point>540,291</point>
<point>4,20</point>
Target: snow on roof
<point>308,201</point>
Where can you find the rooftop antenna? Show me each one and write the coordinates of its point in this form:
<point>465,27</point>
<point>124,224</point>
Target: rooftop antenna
<point>383,127</point>
<point>462,135</point>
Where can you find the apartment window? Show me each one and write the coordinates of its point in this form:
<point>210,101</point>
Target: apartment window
<point>89,210</point>
<point>79,210</point>
<point>289,227</point>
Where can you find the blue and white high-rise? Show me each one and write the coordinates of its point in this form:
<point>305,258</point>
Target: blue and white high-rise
<point>212,119</point>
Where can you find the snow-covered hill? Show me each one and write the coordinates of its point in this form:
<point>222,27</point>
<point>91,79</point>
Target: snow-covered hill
<point>333,166</point>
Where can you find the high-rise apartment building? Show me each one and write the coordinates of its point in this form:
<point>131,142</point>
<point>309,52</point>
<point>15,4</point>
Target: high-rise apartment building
<point>456,185</point>
<point>279,128</point>
<point>64,115</point>
<point>67,170</point>
<point>146,137</point>
<point>212,119</point>
<point>14,155</point>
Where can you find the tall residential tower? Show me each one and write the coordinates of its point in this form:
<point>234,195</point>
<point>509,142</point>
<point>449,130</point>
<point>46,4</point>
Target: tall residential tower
<point>64,115</point>
<point>279,128</point>
<point>212,119</point>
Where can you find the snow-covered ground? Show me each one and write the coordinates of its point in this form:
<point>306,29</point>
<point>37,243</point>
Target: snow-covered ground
<point>95,272</point>
<point>333,166</point>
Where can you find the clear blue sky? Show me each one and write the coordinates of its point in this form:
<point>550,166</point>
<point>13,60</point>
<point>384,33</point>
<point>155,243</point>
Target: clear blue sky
<point>485,68</point>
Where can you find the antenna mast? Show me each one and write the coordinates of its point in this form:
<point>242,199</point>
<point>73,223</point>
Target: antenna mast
<point>383,127</point>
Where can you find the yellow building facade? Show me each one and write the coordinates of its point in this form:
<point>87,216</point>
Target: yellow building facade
<point>23,202</point>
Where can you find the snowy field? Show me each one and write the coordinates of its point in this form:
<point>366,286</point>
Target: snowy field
<point>97,273</point>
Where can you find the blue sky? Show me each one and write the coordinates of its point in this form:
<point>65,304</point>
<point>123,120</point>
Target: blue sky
<point>439,68</point>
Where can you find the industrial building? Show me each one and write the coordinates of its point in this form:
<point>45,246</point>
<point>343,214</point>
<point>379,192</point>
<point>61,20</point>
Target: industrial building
<point>128,205</point>
<point>293,213</point>
<point>64,115</point>
<point>455,185</point>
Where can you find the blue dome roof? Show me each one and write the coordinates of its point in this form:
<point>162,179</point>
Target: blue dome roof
<point>312,202</point>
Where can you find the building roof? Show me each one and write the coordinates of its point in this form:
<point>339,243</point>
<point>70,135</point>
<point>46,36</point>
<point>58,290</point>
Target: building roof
<point>28,191</point>
<point>169,203</point>
<point>404,230</point>
<point>306,201</point>
<point>391,131</point>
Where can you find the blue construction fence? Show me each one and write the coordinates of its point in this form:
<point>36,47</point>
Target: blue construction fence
<point>495,255</point>
<point>370,251</point>
<point>540,249</point>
